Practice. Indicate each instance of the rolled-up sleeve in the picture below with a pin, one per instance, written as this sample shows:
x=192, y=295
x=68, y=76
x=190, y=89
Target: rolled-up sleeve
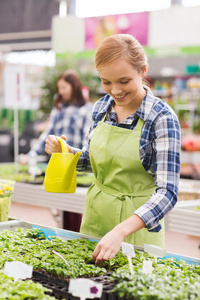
x=166, y=147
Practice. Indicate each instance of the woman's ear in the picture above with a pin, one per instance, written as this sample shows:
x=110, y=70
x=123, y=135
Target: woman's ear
x=144, y=72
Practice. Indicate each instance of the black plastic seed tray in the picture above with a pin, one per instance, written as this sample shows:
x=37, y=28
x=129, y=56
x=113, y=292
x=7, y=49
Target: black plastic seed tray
x=59, y=286
x=51, y=279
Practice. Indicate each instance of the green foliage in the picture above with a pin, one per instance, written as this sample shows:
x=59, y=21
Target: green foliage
x=197, y=208
x=7, y=171
x=22, y=290
x=24, y=115
x=170, y=279
x=30, y=247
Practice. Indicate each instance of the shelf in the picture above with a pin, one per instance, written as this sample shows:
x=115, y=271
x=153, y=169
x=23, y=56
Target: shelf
x=184, y=218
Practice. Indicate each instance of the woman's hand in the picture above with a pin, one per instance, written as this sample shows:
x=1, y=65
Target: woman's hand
x=108, y=246
x=53, y=146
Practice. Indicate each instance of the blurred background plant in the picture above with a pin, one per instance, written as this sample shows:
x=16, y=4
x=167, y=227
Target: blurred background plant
x=6, y=187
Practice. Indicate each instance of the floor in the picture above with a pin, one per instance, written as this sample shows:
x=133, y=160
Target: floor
x=176, y=243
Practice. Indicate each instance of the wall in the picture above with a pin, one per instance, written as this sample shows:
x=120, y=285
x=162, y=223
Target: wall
x=176, y=26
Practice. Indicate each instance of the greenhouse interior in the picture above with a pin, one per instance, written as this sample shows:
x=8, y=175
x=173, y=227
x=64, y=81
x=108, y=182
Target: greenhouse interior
x=100, y=149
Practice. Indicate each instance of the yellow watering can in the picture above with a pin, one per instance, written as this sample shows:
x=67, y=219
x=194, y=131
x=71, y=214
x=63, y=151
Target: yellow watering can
x=60, y=176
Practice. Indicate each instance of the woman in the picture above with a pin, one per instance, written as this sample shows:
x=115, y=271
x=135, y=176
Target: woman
x=134, y=152
x=67, y=117
x=70, y=116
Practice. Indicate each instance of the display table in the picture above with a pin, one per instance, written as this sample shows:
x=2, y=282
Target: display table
x=189, y=189
x=35, y=195
x=13, y=224
x=31, y=194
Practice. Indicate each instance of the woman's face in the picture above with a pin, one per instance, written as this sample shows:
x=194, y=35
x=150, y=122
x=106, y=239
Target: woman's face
x=64, y=89
x=123, y=83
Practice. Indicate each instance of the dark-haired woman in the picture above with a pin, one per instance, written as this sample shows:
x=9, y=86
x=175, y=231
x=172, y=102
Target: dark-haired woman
x=70, y=117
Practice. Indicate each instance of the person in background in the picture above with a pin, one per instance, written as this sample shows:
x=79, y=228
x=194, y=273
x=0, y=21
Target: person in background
x=70, y=116
x=134, y=151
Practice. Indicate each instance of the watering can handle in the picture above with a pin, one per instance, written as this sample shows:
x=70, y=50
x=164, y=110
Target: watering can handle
x=63, y=144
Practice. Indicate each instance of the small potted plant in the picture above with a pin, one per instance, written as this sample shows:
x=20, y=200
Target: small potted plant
x=6, y=192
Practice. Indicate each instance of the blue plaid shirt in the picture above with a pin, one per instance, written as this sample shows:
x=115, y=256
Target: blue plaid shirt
x=159, y=151
x=71, y=121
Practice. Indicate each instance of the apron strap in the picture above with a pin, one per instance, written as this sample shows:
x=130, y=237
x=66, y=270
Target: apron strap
x=104, y=117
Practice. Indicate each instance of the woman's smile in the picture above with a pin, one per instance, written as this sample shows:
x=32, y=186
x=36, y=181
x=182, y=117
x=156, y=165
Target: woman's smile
x=123, y=83
x=121, y=97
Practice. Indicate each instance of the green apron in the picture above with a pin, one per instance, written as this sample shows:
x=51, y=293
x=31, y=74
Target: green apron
x=121, y=183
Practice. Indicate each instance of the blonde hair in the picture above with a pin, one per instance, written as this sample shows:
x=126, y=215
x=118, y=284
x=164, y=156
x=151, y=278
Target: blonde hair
x=121, y=46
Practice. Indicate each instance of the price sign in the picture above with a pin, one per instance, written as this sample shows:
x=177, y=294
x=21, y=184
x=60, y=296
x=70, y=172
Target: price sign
x=147, y=267
x=85, y=288
x=128, y=250
x=14, y=87
x=155, y=251
x=18, y=270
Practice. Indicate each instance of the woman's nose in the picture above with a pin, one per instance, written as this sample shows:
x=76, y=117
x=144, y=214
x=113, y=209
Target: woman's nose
x=116, y=90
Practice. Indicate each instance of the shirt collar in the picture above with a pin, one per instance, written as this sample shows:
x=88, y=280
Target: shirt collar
x=146, y=105
x=107, y=106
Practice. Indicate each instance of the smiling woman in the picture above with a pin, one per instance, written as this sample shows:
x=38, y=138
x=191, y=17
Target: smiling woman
x=133, y=150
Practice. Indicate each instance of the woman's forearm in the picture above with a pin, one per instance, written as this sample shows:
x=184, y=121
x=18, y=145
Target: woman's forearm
x=130, y=225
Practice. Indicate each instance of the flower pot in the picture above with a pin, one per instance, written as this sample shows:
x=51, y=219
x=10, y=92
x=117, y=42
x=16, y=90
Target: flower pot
x=6, y=192
x=4, y=208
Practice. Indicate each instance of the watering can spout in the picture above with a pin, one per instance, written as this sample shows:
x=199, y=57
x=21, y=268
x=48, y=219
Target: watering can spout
x=70, y=174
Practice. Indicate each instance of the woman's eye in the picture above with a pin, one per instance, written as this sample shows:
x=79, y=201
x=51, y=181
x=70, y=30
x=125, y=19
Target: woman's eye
x=125, y=82
x=122, y=82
